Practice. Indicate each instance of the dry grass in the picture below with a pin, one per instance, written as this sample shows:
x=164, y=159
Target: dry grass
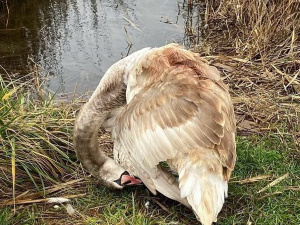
x=256, y=45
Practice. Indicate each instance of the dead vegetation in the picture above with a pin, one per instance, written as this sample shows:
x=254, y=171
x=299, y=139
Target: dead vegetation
x=256, y=45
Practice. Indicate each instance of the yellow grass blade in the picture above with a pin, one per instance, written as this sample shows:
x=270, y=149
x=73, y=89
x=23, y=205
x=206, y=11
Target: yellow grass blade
x=7, y=95
x=13, y=170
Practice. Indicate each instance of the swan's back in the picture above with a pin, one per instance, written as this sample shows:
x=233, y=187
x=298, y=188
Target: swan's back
x=177, y=111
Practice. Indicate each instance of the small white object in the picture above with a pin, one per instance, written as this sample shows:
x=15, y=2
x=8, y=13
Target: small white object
x=147, y=204
x=56, y=207
x=70, y=209
x=57, y=200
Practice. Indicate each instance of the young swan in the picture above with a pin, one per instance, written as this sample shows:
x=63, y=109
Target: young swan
x=163, y=105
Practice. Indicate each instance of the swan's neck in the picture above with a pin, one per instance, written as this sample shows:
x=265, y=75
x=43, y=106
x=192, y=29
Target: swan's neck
x=109, y=95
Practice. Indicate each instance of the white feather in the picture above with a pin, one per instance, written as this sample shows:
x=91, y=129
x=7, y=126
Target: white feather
x=204, y=189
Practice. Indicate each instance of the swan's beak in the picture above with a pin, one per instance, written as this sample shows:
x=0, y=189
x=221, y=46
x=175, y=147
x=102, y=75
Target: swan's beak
x=127, y=180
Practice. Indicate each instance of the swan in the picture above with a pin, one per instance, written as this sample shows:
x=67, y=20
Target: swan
x=168, y=112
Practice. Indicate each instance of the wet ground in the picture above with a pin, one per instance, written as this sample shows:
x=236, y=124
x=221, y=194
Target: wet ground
x=76, y=41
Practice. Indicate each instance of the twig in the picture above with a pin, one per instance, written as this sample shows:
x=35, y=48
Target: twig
x=270, y=194
x=274, y=182
x=129, y=42
x=28, y=201
x=252, y=179
x=29, y=197
x=161, y=206
x=7, y=8
x=132, y=24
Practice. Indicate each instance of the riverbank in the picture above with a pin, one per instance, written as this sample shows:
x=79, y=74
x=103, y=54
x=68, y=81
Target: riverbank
x=256, y=47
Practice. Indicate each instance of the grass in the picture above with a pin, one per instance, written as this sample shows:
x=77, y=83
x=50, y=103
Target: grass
x=278, y=204
x=34, y=139
x=255, y=45
x=258, y=156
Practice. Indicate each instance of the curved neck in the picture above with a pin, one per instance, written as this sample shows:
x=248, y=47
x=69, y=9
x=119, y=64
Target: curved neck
x=110, y=94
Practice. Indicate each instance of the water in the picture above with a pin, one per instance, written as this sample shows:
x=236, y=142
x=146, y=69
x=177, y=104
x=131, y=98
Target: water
x=76, y=41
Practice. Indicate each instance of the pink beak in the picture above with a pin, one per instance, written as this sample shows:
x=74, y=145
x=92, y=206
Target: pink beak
x=128, y=180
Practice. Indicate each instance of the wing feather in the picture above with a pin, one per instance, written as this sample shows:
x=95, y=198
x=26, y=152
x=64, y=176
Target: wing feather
x=164, y=125
x=173, y=112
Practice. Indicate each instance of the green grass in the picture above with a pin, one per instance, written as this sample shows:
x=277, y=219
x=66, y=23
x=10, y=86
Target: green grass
x=256, y=156
x=278, y=204
x=34, y=139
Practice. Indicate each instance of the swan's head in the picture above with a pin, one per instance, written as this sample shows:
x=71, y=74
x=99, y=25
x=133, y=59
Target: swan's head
x=114, y=176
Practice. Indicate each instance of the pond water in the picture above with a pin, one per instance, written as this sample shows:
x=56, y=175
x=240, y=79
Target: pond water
x=76, y=41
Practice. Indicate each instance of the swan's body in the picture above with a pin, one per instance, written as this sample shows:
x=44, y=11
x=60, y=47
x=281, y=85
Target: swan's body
x=163, y=105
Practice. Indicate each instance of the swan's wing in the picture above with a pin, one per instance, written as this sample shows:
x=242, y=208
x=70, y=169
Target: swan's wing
x=179, y=113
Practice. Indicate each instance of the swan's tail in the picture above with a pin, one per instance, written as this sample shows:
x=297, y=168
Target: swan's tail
x=201, y=182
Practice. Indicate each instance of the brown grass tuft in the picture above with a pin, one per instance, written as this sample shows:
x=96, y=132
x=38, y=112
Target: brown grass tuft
x=256, y=45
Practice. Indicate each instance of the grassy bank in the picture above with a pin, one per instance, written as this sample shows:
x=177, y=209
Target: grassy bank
x=264, y=190
x=255, y=45
x=35, y=139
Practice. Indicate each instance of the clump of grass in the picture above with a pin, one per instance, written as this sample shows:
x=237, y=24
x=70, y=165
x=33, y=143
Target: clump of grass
x=257, y=30
x=256, y=46
x=35, y=145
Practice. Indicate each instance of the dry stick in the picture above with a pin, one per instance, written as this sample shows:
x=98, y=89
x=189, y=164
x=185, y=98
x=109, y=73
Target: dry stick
x=274, y=182
x=132, y=24
x=23, y=197
x=270, y=194
x=165, y=208
x=161, y=206
x=128, y=41
x=292, y=188
x=4, y=70
x=7, y=8
x=25, y=201
x=289, y=79
x=251, y=179
x=13, y=172
x=293, y=80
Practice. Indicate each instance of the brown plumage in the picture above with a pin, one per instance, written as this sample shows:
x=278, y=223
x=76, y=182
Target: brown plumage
x=164, y=105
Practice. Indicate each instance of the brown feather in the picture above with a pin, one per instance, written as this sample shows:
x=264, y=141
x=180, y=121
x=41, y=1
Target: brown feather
x=173, y=107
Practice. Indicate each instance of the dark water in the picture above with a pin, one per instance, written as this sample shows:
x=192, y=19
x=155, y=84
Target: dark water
x=76, y=41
